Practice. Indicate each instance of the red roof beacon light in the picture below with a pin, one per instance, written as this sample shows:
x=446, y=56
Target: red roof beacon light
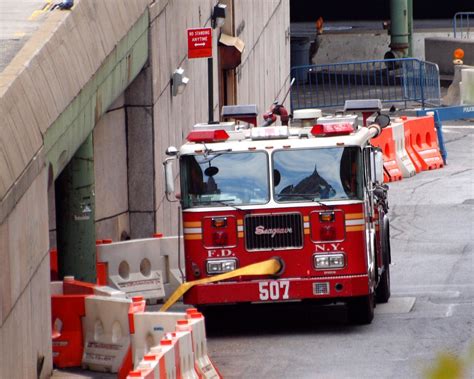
x=207, y=136
x=336, y=129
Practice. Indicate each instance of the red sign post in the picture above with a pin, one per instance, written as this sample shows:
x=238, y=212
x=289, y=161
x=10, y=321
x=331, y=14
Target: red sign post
x=200, y=43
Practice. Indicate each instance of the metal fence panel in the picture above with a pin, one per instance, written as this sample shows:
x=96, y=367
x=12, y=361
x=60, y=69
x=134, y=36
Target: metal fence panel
x=462, y=23
x=390, y=80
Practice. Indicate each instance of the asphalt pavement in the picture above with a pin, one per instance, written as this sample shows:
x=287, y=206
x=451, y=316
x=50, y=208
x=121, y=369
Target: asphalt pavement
x=430, y=311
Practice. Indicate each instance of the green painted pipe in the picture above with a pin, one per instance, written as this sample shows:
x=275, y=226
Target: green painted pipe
x=410, y=27
x=75, y=225
x=399, y=41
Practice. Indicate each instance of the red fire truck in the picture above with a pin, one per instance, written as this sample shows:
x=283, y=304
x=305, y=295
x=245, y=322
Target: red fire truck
x=310, y=196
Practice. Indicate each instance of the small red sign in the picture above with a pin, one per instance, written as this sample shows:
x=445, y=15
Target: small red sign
x=200, y=43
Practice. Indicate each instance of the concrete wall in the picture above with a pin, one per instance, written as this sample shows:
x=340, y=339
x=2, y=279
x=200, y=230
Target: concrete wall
x=261, y=77
x=50, y=98
x=154, y=119
x=110, y=169
x=440, y=51
x=342, y=47
x=173, y=117
x=25, y=333
x=264, y=72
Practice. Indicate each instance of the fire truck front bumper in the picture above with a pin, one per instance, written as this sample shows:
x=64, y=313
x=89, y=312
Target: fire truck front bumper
x=278, y=290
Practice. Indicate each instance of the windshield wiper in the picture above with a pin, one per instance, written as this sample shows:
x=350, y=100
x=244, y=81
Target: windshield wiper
x=309, y=196
x=210, y=154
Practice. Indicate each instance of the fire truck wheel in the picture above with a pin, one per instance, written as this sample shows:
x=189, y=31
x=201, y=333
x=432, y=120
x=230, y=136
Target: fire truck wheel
x=386, y=238
x=383, y=289
x=361, y=310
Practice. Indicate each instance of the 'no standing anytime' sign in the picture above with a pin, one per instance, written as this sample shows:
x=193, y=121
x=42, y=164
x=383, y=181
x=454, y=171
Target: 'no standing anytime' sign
x=200, y=43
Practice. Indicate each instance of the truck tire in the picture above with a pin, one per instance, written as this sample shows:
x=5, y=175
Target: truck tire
x=383, y=289
x=387, y=247
x=361, y=310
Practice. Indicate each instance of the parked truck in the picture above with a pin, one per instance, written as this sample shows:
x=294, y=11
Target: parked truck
x=311, y=197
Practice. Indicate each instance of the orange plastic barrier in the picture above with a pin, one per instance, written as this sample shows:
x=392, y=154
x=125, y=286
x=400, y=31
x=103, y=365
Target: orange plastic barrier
x=138, y=305
x=424, y=142
x=101, y=268
x=67, y=312
x=76, y=287
x=386, y=142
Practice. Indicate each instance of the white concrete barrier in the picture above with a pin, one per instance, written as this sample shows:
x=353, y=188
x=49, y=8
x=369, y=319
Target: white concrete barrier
x=185, y=355
x=467, y=86
x=171, y=345
x=404, y=162
x=109, y=292
x=195, y=324
x=172, y=249
x=107, y=333
x=148, y=368
x=135, y=267
x=150, y=328
x=166, y=352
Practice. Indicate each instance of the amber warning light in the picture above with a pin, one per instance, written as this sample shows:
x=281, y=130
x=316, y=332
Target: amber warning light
x=458, y=54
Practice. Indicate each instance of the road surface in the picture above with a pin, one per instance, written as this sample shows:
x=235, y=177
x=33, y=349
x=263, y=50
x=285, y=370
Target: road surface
x=430, y=312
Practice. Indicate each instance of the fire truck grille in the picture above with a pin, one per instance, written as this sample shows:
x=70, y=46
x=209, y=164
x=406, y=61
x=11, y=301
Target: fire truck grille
x=273, y=232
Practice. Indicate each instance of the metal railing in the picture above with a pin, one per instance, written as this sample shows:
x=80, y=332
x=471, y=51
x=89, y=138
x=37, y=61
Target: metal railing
x=403, y=80
x=462, y=24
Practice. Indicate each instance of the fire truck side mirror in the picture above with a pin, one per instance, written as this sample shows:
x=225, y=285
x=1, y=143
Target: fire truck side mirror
x=382, y=120
x=378, y=166
x=169, y=177
x=171, y=151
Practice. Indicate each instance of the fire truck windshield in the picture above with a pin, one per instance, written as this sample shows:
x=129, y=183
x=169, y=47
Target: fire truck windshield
x=317, y=174
x=229, y=178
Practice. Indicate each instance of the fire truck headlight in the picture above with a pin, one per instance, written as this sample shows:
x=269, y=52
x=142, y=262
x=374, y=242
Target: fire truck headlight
x=329, y=261
x=321, y=261
x=219, y=266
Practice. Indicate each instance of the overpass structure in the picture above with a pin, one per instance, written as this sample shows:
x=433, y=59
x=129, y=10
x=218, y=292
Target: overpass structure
x=52, y=94
x=86, y=113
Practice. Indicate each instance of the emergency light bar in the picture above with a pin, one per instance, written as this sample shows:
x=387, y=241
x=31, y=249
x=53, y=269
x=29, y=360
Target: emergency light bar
x=327, y=130
x=207, y=136
x=269, y=132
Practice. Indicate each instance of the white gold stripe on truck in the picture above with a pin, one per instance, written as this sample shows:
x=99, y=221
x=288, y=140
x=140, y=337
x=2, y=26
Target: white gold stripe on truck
x=306, y=226
x=192, y=230
x=355, y=222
